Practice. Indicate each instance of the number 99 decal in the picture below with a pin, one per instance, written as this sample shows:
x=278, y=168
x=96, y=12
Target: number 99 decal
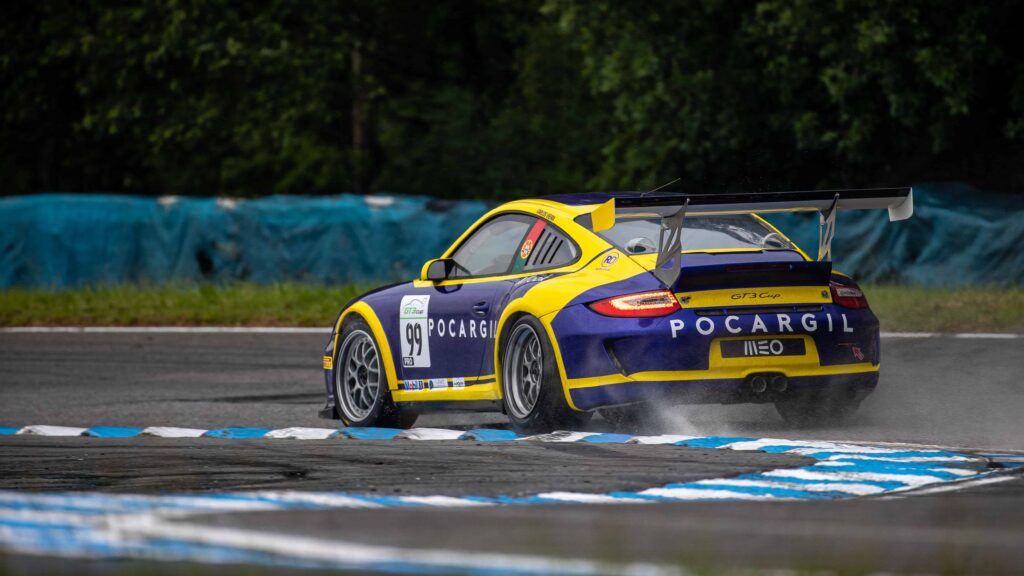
x=413, y=325
x=414, y=337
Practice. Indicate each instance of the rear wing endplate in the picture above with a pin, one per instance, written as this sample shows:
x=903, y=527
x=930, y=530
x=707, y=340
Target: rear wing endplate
x=898, y=201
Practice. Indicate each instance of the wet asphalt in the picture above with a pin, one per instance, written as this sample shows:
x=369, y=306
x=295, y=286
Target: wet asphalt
x=946, y=391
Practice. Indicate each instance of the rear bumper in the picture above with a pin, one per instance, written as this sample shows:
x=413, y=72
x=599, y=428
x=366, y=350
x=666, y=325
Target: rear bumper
x=682, y=357
x=593, y=346
x=857, y=385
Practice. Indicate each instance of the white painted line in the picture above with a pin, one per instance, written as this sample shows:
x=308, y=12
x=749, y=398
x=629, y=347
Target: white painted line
x=52, y=431
x=164, y=330
x=847, y=488
x=796, y=444
x=172, y=432
x=988, y=335
x=316, y=499
x=559, y=436
x=827, y=464
x=705, y=494
x=447, y=501
x=978, y=335
x=48, y=516
x=585, y=498
x=350, y=553
x=914, y=459
x=953, y=486
x=84, y=502
x=806, y=474
x=429, y=434
x=302, y=433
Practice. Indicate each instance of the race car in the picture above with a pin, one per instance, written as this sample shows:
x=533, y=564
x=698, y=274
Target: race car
x=550, y=309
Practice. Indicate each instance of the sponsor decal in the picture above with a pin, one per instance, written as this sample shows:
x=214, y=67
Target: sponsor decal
x=411, y=385
x=532, y=279
x=458, y=383
x=328, y=362
x=763, y=348
x=766, y=347
x=461, y=328
x=414, y=331
x=755, y=296
x=438, y=383
x=545, y=214
x=768, y=324
x=609, y=261
x=858, y=353
x=524, y=253
x=528, y=244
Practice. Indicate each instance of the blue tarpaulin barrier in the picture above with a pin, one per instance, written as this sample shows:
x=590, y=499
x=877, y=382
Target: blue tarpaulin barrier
x=59, y=241
x=958, y=235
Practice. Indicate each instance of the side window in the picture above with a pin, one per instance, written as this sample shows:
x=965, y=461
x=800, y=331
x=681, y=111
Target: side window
x=551, y=249
x=492, y=247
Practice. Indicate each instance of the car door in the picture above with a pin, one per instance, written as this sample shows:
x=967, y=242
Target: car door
x=459, y=314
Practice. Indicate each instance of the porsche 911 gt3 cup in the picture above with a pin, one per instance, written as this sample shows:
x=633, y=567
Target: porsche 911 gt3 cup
x=549, y=309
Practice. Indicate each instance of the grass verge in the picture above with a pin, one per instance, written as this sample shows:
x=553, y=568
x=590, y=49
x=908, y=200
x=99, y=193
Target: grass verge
x=920, y=309
x=230, y=305
x=900, y=308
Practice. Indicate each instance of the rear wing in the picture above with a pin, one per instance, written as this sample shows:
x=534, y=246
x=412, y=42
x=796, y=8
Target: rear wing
x=898, y=201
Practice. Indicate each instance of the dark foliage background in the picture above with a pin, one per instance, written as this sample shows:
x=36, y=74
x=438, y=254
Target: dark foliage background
x=503, y=98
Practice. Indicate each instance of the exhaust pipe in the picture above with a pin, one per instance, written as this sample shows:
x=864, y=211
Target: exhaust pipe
x=758, y=384
x=780, y=383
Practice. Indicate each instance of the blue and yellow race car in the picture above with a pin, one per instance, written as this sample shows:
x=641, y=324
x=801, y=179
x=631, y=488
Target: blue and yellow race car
x=550, y=309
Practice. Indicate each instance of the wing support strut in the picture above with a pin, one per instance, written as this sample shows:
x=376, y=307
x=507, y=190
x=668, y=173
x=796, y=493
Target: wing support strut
x=827, y=231
x=670, y=244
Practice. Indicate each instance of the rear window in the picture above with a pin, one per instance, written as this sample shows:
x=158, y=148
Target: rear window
x=636, y=232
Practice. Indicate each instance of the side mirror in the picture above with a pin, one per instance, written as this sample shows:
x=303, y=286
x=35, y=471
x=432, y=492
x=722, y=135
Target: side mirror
x=440, y=269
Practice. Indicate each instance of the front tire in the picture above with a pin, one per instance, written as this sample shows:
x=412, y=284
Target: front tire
x=361, y=393
x=532, y=392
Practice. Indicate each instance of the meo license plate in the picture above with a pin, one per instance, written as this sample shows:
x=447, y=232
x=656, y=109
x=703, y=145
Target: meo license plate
x=763, y=347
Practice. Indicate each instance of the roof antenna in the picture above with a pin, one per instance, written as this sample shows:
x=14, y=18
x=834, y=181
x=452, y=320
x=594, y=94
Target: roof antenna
x=662, y=186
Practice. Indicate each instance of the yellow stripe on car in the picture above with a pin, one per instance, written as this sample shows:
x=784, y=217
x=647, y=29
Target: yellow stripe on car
x=732, y=297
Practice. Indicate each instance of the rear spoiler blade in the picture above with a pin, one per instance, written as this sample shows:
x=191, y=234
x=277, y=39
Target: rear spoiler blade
x=898, y=201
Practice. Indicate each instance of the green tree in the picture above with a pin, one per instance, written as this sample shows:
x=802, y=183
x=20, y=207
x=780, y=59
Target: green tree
x=778, y=93
x=502, y=98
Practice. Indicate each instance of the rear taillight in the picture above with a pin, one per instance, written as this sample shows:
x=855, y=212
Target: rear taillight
x=641, y=305
x=847, y=295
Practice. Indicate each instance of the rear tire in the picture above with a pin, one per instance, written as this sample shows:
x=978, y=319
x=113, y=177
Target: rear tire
x=362, y=395
x=532, y=392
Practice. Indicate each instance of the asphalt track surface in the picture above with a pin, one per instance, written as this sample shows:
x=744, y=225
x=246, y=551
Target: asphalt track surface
x=950, y=392
x=946, y=391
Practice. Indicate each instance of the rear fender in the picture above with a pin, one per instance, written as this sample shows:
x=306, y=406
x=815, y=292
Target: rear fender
x=545, y=299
